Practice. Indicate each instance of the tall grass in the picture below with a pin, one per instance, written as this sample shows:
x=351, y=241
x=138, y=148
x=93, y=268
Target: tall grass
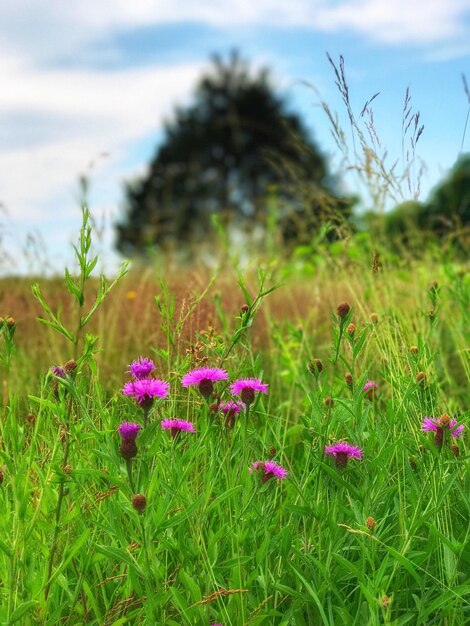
x=382, y=541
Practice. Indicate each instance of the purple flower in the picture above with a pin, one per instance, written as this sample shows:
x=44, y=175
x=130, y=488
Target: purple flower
x=204, y=377
x=128, y=432
x=269, y=469
x=58, y=371
x=230, y=411
x=342, y=452
x=144, y=390
x=439, y=425
x=246, y=388
x=141, y=368
x=176, y=426
x=369, y=389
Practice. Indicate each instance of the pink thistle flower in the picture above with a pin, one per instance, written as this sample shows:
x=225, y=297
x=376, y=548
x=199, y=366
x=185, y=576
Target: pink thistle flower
x=176, y=426
x=369, y=389
x=141, y=368
x=269, y=469
x=128, y=432
x=342, y=452
x=204, y=377
x=144, y=390
x=230, y=411
x=247, y=387
x=58, y=371
x=439, y=425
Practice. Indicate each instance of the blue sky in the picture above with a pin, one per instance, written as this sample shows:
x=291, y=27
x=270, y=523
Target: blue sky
x=86, y=87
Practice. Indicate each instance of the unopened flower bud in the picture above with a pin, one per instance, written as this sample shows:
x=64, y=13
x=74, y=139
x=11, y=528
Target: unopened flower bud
x=272, y=451
x=244, y=308
x=374, y=318
x=421, y=378
x=329, y=402
x=351, y=329
x=343, y=309
x=455, y=450
x=385, y=601
x=70, y=366
x=139, y=502
x=31, y=419
x=316, y=366
x=414, y=349
x=432, y=313
x=370, y=523
x=349, y=379
x=10, y=322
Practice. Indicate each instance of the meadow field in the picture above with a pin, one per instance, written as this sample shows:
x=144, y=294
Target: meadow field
x=282, y=441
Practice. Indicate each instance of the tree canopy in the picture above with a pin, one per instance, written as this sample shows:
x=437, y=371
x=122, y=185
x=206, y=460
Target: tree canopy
x=223, y=154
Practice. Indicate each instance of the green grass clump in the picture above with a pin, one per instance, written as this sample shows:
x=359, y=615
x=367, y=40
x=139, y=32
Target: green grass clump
x=383, y=540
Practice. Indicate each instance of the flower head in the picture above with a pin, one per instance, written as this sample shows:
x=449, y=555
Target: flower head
x=141, y=368
x=144, y=390
x=204, y=377
x=269, y=469
x=128, y=432
x=176, y=426
x=342, y=452
x=230, y=411
x=58, y=371
x=369, y=389
x=247, y=387
x=439, y=425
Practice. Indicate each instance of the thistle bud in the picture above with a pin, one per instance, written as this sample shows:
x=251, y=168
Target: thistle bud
x=444, y=419
x=421, y=378
x=70, y=366
x=455, y=450
x=139, y=502
x=385, y=601
x=343, y=309
x=316, y=367
x=329, y=402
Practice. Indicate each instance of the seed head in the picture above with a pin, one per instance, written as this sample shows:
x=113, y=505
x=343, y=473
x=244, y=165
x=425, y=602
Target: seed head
x=329, y=402
x=31, y=419
x=385, y=601
x=370, y=523
x=412, y=463
x=343, y=309
x=374, y=318
x=351, y=329
x=68, y=469
x=139, y=502
x=414, y=349
x=432, y=313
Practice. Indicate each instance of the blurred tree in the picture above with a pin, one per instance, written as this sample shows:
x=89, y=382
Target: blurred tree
x=446, y=210
x=224, y=154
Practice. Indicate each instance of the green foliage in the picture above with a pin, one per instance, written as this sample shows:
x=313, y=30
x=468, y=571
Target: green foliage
x=223, y=155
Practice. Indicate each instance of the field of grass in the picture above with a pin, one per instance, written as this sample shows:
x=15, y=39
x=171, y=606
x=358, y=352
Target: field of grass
x=381, y=539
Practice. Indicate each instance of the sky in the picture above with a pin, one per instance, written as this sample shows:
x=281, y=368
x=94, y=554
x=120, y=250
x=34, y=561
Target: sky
x=86, y=87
